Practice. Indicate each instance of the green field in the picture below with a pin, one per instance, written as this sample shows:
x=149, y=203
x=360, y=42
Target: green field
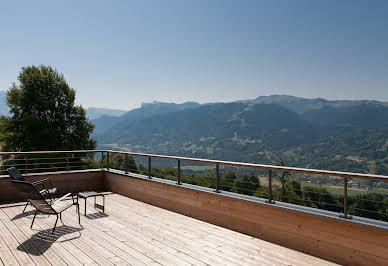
x=198, y=167
x=336, y=190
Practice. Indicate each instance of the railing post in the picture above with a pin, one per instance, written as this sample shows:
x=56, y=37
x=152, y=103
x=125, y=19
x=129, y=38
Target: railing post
x=149, y=167
x=126, y=163
x=270, y=197
x=102, y=160
x=346, y=216
x=107, y=160
x=67, y=164
x=218, y=178
x=26, y=166
x=179, y=172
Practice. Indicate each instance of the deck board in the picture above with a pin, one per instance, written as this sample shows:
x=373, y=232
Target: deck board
x=132, y=233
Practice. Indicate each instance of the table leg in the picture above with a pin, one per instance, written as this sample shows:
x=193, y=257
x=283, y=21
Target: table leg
x=85, y=206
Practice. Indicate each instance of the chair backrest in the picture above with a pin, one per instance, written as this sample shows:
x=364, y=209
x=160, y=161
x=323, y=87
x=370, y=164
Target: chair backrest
x=33, y=196
x=15, y=174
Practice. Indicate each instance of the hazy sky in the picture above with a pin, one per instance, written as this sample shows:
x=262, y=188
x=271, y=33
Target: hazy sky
x=121, y=53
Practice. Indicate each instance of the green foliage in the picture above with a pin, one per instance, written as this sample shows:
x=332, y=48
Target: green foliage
x=246, y=185
x=4, y=131
x=320, y=198
x=121, y=162
x=43, y=114
x=374, y=206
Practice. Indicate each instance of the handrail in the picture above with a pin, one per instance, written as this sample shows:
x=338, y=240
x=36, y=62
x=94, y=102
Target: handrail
x=231, y=163
x=262, y=166
x=50, y=152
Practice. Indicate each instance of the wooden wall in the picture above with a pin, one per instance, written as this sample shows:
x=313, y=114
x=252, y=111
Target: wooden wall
x=335, y=241
x=66, y=182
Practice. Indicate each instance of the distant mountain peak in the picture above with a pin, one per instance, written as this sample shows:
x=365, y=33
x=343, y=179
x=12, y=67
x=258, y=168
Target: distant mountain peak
x=144, y=104
x=96, y=112
x=302, y=105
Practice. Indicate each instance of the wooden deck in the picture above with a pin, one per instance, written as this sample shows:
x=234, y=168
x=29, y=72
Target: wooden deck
x=135, y=233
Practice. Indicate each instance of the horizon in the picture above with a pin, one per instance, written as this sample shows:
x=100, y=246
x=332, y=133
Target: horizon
x=236, y=100
x=121, y=54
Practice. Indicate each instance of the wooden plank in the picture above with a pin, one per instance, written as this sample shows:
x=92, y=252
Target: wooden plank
x=87, y=253
x=235, y=246
x=247, y=245
x=206, y=245
x=178, y=227
x=121, y=250
x=123, y=233
x=19, y=253
x=108, y=227
x=56, y=245
x=182, y=248
x=174, y=244
x=201, y=246
x=42, y=246
x=47, y=223
x=115, y=236
x=118, y=261
x=6, y=256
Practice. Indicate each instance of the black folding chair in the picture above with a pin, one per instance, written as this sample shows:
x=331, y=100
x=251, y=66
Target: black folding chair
x=36, y=199
x=49, y=192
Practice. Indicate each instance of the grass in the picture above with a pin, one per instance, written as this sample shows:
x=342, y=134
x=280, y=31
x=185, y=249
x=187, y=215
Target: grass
x=199, y=167
x=339, y=191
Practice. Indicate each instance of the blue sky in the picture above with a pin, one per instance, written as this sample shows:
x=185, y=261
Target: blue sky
x=119, y=54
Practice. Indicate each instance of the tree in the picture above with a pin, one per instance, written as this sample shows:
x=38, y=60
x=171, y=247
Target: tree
x=4, y=134
x=284, y=179
x=43, y=113
x=246, y=185
x=118, y=161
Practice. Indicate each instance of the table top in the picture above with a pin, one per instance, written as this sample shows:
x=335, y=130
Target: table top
x=87, y=194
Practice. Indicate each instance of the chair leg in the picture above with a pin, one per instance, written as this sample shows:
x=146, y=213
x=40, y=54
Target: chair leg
x=60, y=216
x=79, y=217
x=25, y=207
x=33, y=219
x=55, y=225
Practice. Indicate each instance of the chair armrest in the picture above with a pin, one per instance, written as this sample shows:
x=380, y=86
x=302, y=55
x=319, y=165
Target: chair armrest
x=63, y=197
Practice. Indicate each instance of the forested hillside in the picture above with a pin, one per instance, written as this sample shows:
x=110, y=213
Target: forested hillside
x=316, y=133
x=115, y=125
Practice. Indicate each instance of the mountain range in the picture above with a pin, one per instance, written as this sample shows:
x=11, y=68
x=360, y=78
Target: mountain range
x=340, y=135
x=316, y=133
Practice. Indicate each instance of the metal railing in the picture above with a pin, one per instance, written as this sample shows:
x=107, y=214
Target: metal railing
x=46, y=161
x=41, y=161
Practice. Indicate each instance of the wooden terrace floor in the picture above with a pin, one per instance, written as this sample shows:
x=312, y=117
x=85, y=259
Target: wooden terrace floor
x=135, y=233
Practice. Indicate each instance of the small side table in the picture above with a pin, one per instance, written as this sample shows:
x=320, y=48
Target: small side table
x=86, y=194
